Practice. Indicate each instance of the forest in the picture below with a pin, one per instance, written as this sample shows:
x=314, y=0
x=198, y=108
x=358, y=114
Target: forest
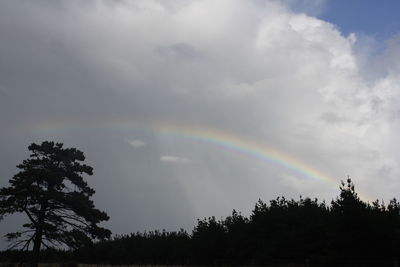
x=348, y=231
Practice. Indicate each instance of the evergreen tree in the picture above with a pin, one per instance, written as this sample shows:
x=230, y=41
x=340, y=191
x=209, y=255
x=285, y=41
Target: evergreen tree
x=49, y=189
x=351, y=223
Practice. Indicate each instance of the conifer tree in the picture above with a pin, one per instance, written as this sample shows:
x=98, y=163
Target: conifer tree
x=50, y=190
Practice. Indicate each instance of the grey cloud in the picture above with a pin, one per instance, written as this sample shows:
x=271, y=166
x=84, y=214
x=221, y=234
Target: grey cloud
x=333, y=118
x=4, y=91
x=97, y=74
x=179, y=51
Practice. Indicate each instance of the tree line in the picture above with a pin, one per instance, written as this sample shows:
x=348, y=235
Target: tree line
x=282, y=230
x=348, y=230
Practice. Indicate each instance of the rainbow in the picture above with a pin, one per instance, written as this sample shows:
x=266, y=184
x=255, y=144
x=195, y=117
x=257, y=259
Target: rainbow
x=214, y=136
x=243, y=146
x=204, y=134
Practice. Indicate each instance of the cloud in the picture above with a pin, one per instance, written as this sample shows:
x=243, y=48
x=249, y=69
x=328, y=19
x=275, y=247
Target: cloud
x=4, y=91
x=136, y=143
x=174, y=159
x=89, y=74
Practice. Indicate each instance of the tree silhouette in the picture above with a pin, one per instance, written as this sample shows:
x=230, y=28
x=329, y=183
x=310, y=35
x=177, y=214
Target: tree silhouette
x=51, y=192
x=209, y=236
x=355, y=224
x=280, y=232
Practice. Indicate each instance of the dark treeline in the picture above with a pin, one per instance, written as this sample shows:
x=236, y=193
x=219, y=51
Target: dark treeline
x=347, y=231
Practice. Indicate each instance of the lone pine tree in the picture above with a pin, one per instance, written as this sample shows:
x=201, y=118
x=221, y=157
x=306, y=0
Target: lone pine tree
x=50, y=190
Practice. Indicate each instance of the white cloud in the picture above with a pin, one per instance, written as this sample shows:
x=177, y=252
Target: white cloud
x=257, y=70
x=175, y=159
x=136, y=143
x=261, y=70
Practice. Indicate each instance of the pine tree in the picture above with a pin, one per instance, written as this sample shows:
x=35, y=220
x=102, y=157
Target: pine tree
x=49, y=189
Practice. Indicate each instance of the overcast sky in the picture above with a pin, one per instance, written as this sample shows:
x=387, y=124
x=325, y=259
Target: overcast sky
x=188, y=109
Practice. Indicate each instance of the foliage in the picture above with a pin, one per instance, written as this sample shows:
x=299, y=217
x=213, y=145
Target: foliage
x=282, y=231
x=50, y=190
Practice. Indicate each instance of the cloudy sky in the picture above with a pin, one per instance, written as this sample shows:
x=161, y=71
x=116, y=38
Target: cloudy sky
x=188, y=109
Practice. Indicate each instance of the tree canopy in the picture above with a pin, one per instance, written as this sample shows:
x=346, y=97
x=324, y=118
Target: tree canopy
x=346, y=232
x=50, y=190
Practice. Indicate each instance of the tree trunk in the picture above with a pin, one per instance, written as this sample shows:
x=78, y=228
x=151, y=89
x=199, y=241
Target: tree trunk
x=36, y=248
x=38, y=237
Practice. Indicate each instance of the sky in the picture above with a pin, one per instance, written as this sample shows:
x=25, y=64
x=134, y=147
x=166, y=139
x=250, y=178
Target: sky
x=188, y=109
x=379, y=19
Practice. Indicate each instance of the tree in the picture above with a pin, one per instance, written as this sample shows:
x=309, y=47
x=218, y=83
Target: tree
x=50, y=190
x=209, y=238
x=351, y=223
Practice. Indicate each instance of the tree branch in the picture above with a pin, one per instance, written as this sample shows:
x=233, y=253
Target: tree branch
x=17, y=243
x=27, y=243
x=29, y=215
x=72, y=217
